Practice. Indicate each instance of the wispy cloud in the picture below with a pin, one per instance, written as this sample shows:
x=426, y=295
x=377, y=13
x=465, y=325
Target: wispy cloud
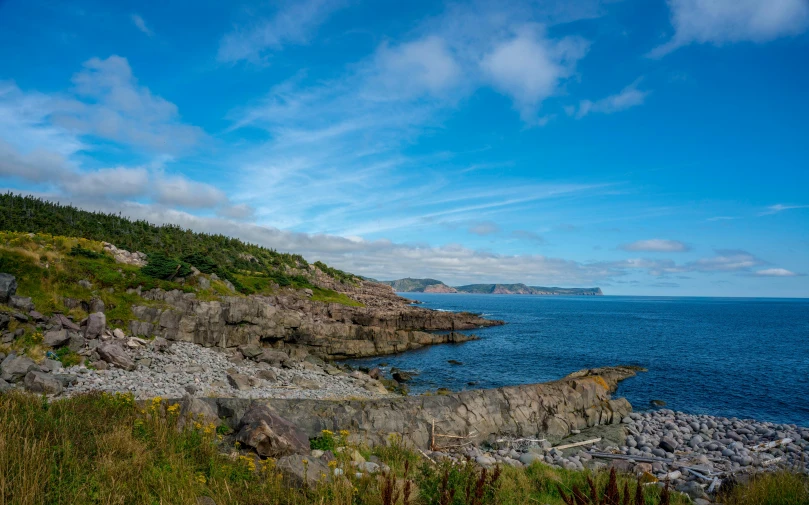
x=140, y=24
x=294, y=22
x=725, y=260
x=629, y=97
x=775, y=272
x=725, y=21
x=656, y=245
x=775, y=209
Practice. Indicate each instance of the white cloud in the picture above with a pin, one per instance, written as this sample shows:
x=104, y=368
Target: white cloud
x=293, y=23
x=656, y=245
x=724, y=21
x=529, y=67
x=484, y=228
x=775, y=209
x=179, y=191
x=108, y=183
x=112, y=105
x=240, y=212
x=629, y=97
x=422, y=66
x=775, y=272
x=140, y=24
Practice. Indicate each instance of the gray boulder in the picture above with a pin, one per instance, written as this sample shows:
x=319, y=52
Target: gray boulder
x=50, y=365
x=23, y=303
x=271, y=435
x=8, y=287
x=197, y=409
x=4, y=386
x=274, y=358
x=41, y=382
x=56, y=338
x=4, y=320
x=668, y=444
x=299, y=474
x=267, y=375
x=160, y=344
x=115, y=355
x=97, y=305
x=14, y=368
x=76, y=342
x=96, y=324
x=239, y=381
x=251, y=350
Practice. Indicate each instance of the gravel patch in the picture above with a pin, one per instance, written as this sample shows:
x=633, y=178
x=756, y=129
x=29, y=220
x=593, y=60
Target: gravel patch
x=186, y=367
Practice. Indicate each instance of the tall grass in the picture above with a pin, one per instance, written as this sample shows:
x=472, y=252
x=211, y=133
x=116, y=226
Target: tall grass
x=104, y=449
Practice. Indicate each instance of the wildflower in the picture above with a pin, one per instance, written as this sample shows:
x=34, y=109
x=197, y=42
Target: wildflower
x=201, y=478
x=333, y=464
x=173, y=408
x=344, y=433
x=327, y=433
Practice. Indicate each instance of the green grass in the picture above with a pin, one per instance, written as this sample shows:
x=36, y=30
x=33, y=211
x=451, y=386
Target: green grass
x=330, y=296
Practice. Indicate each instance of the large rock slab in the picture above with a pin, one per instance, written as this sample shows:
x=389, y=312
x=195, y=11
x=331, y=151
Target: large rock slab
x=270, y=434
x=115, y=355
x=550, y=410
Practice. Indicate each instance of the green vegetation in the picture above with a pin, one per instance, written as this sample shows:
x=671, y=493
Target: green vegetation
x=102, y=448
x=329, y=296
x=167, y=245
x=48, y=269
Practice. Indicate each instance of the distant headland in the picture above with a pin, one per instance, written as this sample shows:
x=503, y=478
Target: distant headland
x=409, y=285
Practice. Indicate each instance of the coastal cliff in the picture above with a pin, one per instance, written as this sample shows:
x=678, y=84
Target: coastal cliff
x=409, y=285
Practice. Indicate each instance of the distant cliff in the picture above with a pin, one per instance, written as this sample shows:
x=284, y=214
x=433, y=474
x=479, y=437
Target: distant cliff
x=409, y=285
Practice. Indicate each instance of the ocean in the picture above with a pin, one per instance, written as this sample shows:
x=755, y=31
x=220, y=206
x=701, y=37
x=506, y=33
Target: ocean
x=731, y=357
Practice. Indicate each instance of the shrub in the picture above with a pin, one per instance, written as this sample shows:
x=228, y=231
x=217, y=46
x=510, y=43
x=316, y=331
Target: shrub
x=162, y=267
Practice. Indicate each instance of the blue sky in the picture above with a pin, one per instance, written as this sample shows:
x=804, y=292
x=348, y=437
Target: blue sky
x=645, y=146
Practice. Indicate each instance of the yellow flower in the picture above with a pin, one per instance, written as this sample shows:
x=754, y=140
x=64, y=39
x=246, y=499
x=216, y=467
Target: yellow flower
x=333, y=464
x=173, y=408
x=327, y=433
x=201, y=478
x=344, y=433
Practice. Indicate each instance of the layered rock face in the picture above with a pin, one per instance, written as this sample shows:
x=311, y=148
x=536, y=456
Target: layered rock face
x=387, y=324
x=550, y=410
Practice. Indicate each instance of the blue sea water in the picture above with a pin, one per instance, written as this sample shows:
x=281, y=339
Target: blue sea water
x=732, y=357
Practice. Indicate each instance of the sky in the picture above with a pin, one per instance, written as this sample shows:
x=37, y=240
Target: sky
x=649, y=147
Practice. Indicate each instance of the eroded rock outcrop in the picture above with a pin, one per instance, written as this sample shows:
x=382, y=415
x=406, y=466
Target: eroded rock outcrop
x=551, y=410
x=387, y=324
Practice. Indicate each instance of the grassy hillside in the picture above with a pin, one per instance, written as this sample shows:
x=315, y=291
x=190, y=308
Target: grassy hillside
x=50, y=270
x=249, y=267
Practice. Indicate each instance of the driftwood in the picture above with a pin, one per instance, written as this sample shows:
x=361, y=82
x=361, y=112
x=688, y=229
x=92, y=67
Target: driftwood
x=578, y=444
x=642, y=459
x=771, y=445
x=771, y=461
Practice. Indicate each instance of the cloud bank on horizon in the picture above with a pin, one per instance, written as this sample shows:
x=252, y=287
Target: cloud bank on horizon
x=645, y=147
